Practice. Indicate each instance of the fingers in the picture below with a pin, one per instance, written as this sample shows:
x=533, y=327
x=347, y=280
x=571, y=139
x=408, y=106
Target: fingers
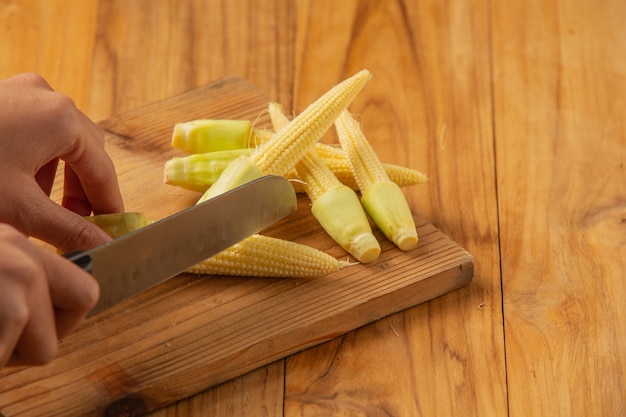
x=73, y=292
x=24, y=300
x=43, y=297
x=90, y=173
x=45, y=176
x=74, y=197
x=65, y=230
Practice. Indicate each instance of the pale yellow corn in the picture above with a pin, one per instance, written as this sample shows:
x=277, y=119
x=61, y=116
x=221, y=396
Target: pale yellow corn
x=255, y=256
x=281, y=153
x=198, y=171
x=382, y=198
x=118, y=224
x=335, y=206
x=329, y=151
x=209, y=135
x=403, y=176
x=265, y=256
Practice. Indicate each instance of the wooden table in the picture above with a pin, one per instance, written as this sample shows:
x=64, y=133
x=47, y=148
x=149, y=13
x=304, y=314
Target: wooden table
x=516, y=111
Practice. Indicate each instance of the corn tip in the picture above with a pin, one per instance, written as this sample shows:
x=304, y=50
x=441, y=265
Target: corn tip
x=406, y=239
x=365, y=248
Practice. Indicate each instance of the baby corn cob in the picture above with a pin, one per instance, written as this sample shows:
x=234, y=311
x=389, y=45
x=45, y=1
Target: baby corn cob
x=198, y=171
x=255, y=256
x=209, y=135
x=265, y=256
x=335, y=206
x=383, y=199
x=402, y=176
x=328, y=151
x=280, y=154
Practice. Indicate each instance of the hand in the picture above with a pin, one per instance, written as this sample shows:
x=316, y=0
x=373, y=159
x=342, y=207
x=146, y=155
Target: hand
x=39, y=127
x=43, y=297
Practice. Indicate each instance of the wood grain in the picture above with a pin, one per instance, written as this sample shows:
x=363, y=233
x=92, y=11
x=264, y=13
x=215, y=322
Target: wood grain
x=34, y=36
x=259, y=394
x=144, y=54
x=194, y=332
x=559, y=113
x=428, y=105
x=515, y=111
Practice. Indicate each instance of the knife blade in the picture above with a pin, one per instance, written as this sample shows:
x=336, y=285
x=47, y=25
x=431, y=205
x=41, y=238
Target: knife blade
x=146, y=257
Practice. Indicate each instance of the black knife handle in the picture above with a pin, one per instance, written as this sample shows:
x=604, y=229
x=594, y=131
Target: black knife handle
x=81, y=259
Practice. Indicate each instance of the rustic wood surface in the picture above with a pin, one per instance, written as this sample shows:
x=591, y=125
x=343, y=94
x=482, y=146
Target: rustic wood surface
x=194, y=332
x=515, y=109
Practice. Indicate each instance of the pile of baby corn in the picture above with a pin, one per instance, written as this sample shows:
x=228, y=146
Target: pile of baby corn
x=224, y=154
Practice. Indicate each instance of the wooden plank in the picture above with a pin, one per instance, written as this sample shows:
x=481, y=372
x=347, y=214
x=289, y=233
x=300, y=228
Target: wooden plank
x=258, y=393
x=559, y=117
x=427, y=106
x=194, y=332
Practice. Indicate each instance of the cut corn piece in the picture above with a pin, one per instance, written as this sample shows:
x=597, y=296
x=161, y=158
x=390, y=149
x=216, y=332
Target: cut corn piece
x=239, y=172
x=281, y=153
x=382, y=199
x=198, y=171
x=265, y=256
x=209, y=135
x=335, y=206
x=118, y=224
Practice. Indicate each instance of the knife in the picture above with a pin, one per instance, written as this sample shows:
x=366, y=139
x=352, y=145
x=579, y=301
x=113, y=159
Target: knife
x=146, y=257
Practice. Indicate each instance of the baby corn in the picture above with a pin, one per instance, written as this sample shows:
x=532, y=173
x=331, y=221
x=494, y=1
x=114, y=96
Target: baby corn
x=382, y=199
x=401, y=175
x=198, y=171
x=281, y=153
x=335, y=206
x=255, y=256
x=265, y=256
x=209, y=135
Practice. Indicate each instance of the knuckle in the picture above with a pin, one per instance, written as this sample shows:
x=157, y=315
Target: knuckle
x=89, y=297
x=62, y=108
x=31, y=79
x=16, y=264
x=80, y=235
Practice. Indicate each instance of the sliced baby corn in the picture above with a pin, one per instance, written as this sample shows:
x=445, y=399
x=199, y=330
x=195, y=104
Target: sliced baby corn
x=198, y=171
x=382, y=198
x=265, y=256
x=335, y=206
x=282, y=152
x=209, y=135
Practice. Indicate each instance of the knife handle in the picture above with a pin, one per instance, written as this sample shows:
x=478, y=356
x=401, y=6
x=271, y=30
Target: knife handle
x=82, y=259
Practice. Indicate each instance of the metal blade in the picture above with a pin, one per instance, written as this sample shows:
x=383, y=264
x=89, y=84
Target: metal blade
x=139, y=260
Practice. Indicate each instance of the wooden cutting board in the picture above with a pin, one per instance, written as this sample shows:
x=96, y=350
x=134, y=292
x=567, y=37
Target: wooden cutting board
x=194, y=332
